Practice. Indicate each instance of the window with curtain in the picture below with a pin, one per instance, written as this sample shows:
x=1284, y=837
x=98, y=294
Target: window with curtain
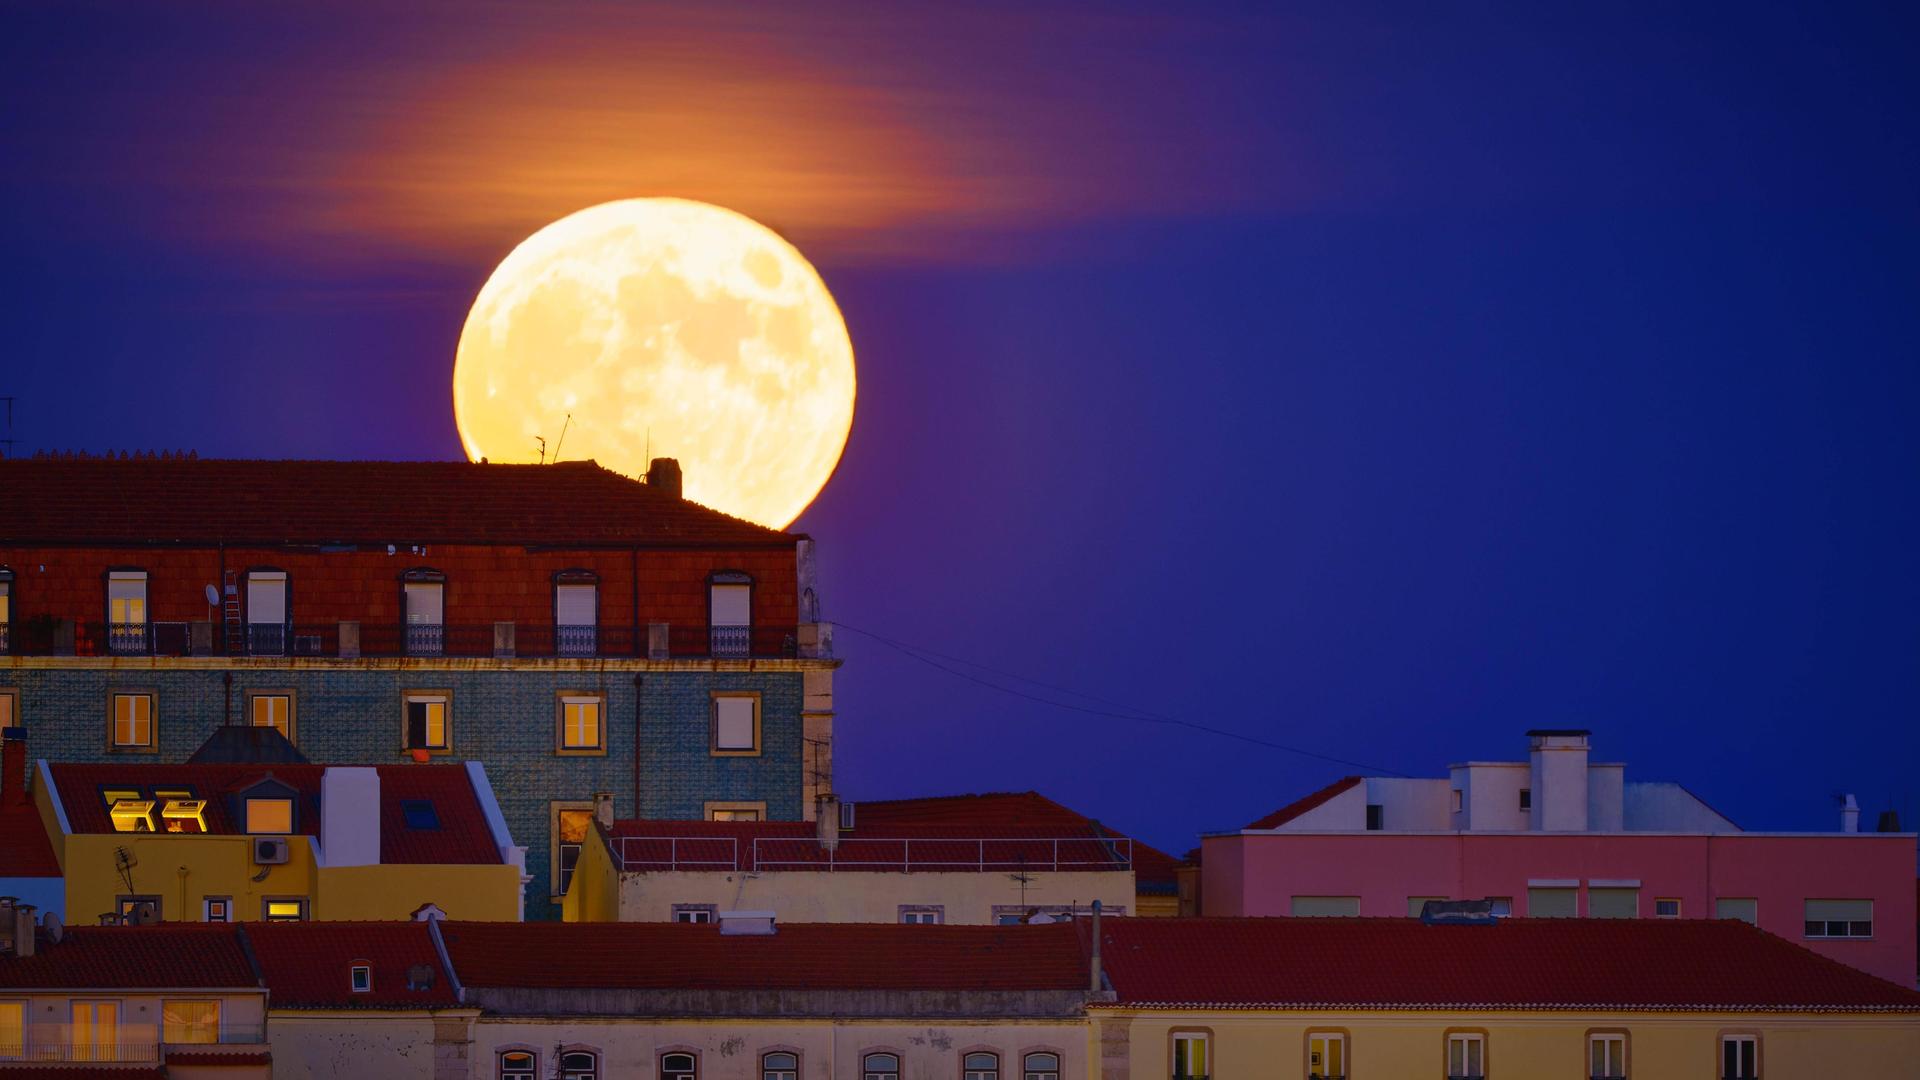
x=424, y=594
x=127, y=611
x=133, y=720
x=266, y=612
x=13, y=1028
x=273, y=816
x=96, y=1031
x=980, y=1065
x=1190, y=1057
x=576, y=615
x=730, y=614
x=190, y=1021
x=736, y=723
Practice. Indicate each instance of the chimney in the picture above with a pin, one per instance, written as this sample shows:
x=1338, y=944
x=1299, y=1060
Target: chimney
x=1095, y=981
x=1559, y=779
x=13, y=766
x=746, y=923
x=24, y=930
x=1849, y=813
x=1889, y=821
x=350, y=815
x=664, y=473
x=603, y=808
x=826, y=820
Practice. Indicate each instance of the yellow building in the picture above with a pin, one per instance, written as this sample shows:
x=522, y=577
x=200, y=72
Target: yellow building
x=1294, y=999
x=278, y=842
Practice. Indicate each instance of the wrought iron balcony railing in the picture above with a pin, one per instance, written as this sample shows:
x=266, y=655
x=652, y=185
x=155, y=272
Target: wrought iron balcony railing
x=43, y=636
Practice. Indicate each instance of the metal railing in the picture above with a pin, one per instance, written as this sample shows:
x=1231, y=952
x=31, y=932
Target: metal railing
x=425, y=639
x=869, y=854
x=266, y=639
x=69, y=1043
x=679, y=853
x=127, y=639
x=49, y=637
x=574, y=640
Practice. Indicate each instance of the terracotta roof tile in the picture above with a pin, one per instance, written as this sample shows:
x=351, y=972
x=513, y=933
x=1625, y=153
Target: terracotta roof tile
x=1626, y=964
x=142, y=501
x=179, y=955
x=212, y=1058
x=1151, y=867
x=799, y=956
x=308, y=965
x=1302, y=805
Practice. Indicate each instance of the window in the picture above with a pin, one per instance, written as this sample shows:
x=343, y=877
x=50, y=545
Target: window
x=360, y=978
x=1326, y=905
x=980, y=1065
x=1417, y=905
x=679, y=1066
x=880, y=1067
x=217, y=909
x=1459, y=800
x=736, y=811
x=576, y=613
x=6, y=618
x=270, y=816
x=572, y=823
x=518, y=1065
x=426, y=720
x=579, y=1065
x=1739, y=1057
x=1466, y=1057
x=267, y=613
x=1744, y=908
x=419, y=814
x=1502, y=906
x=96, y=1031
x=1376, y=817
x=190, y=1021
x=423, y=596
x=923, y=914
x=132, y=719
x=9, y=698
x=284, y=909
x=1607, y=1056
x=1613, y=902
x=730, y=614
x=1839, y=918
x=1041, y=1066
x=131, y=908
x=1553, y=903
x=1190, y=1057
x=779, y=1065
x=13, y=1029
x=131, y=815
x=127, y=611
x=1326, y=1055
x=736, y=723
x=1526, y=798
x=274, y=710
x=1666, y=907
x=580, y=727
x=694, y=913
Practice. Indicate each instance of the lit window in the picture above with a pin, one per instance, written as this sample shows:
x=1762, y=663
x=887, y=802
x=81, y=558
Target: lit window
x=1740, y=1057
x=190, y=1021
x=360, y=978
x=980, y=1066
x=880, y=1067
x=677, y=1066
x=779, y=1065
x=426, y=721
x=1553, y=903
x=1042, y=1066
x=580, y=723
x=736, y=723
x=9, y=698
x=518, y=1065
x=1466, y=1057
x=1326, y=906
x=1744, y=908
x=267, y=613
x=922, y=914
x=217, y=909
x=1613, y=903
x=132, y=815
x=270, y=816
x=571, y=825
x=1839, y=918
x=133, y=909
x=1666, y=907
x=96, y=1031
x=735, y=811
x=13, y=1030
x=576, y=611
x=184, y=815
x=579, y=1065
x=127, y=611
x=1326, y=1056
x=272, y=710
x=419, y=814
x=6, y=622
x=694, y=913
x=291, y=910
x=1190, y=1057
x=1608, y=1057
x=133, y=720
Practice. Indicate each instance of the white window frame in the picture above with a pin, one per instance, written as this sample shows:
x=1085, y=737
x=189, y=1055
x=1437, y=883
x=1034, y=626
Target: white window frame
x=715, y=747
x=569, y=704
x=970, y=1071
x=1679, y=907
x=151, y=720
x=443, y=698
x=923, y=914
x=1848, y=925
x=1176, y=1064
x=285, y=726
x=226, y=909
x=1613, y=1049
x=219, y=1020
x=696, y=914
x=1327, y=1039
x=360, y=978
x=1472, y=1045
x=1739, y=1039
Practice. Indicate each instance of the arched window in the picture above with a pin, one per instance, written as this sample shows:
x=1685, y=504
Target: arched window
x=423, y=595
x=579, y=1065
x=517, y=1065
x=980, y=1065
x=779, y=1065
x=880, y=1067
x=1042, y=1066
x=678, y=1066
x=576, y=613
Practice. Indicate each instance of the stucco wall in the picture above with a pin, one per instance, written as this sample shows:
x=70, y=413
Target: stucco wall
x=321, y=1046
x=967, y=898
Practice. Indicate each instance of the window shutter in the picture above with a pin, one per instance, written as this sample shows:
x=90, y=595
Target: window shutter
x=416, y=723
x=574, y=605
x=1326, y=905
x=267, y=598
x=1839, y=910
x=732, y=605
x=733, y=723
x=1552, y=903
x=1613, y=903
x=1744, y=908
x=423, y=602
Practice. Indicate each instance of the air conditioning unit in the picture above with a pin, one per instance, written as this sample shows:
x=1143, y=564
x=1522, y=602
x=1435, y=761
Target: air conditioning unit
x=269, y=850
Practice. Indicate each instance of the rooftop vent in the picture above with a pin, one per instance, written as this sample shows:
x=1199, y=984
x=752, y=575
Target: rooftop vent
x=746, y=923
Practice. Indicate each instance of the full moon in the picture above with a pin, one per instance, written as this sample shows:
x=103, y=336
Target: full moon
x=664, y=327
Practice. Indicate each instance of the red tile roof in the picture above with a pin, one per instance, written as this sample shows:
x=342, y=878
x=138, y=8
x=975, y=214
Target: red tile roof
x=25, y=849
x=97, y=501
x=103, y=1071
x=799, y=956
x=463, y=835
x=1151, y=866
x=206, y=1058
x=1300, y=806
x=309, y=965
x=1624, y=964
x=170, y=955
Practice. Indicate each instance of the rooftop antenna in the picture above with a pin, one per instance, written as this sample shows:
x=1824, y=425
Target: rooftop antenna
x=563, y=439
x=543, y=448
x=6, y=444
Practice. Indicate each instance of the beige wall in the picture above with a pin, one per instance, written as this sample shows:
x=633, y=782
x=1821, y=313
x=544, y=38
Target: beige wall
x=1389, y=1046
x=851, y=896
x=314, y=1045
x=49, y=1021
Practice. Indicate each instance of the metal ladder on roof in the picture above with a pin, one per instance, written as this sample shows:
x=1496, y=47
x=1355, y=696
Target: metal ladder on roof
x=231, y=603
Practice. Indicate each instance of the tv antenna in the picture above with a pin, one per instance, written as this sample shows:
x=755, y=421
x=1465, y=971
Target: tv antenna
x=563, y=439
x=543, y=448
x=6, y=444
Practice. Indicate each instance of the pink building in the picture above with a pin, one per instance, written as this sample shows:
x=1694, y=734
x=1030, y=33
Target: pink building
x=1559, y=835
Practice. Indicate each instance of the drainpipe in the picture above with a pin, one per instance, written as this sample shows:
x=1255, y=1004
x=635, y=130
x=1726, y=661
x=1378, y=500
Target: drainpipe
x=1094, y=978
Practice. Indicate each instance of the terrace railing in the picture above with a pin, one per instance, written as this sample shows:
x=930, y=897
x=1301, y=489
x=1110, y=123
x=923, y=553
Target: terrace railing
x=871, y=854
x=677, y=641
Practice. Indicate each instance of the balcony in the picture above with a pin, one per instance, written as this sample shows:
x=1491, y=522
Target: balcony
x=127, y=639
x=874, y=854
x=425, y=639
x=266, y=639
x=576, y=640
x=62, y=1044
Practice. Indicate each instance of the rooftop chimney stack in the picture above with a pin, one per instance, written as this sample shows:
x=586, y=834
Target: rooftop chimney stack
x=1096, y=981
x=1559, y=779
x=826, y=820
x=664, y=473
x=350, y=815
x=1889, y=821
x=603, y=808
x=13, y=766
x=1849, y=813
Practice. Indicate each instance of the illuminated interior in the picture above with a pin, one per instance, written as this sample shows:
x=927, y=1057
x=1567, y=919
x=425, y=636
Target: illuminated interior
x=132, y=815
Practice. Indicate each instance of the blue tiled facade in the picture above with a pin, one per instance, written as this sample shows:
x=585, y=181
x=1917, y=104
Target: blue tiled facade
x=658, y=762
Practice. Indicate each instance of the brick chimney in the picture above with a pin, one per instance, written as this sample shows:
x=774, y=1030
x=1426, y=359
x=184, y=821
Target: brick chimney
x=664, y=473
x=13, y=766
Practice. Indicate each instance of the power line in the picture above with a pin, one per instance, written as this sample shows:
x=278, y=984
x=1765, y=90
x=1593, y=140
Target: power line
x=925, y=656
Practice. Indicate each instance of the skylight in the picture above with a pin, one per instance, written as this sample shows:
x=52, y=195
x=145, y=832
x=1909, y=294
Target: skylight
x=419, y=814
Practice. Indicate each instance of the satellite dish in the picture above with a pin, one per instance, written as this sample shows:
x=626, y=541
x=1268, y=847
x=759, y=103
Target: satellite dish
x=50, y=922
x=213, y=596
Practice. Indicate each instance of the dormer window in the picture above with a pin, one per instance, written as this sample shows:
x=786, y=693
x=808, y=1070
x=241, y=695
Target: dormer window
x=423, y=605
x=269, y=815
x=267, y=613
x=576, y=613
x=360, y=978
x=730, y=614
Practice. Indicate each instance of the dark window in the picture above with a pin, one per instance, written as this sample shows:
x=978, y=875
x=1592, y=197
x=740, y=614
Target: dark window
x=880, y=1067
x=1042, y=1067
x=1526, y=798
x=779, y=1065
x=693, y=913
x=1376, y=817
x=679, y=1066
x=579, y=1065
x=980, y=1066
x=1740, y=1057
x=419, y=814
